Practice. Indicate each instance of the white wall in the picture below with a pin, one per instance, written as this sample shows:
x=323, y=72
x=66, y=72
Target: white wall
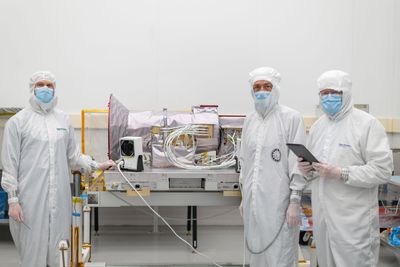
x=176, y=53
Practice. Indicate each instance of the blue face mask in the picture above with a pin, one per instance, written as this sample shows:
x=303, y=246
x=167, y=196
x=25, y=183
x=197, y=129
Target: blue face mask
x=331, y=104
x=44, y=94
x=261, y=95
x=261, y=101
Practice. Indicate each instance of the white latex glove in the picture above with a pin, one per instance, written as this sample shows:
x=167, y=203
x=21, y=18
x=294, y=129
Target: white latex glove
x=15, y=212
x=327, y=171
x=292, y=214
x=107, y=165
x=304, y=167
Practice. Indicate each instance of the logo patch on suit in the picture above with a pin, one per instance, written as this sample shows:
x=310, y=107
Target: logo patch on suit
x=276, y=155
x=345, y=145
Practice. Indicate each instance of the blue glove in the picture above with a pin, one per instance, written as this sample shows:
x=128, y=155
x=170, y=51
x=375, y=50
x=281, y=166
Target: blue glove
x=394, y=238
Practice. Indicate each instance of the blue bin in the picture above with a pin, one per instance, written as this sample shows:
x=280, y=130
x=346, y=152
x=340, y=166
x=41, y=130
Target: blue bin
x=3, y=201
x=3, y=205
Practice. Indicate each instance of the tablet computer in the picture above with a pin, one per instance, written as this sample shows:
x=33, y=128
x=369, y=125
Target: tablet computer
x=302, y=152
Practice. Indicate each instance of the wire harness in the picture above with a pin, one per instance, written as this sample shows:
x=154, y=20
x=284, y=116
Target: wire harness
x=195, y=131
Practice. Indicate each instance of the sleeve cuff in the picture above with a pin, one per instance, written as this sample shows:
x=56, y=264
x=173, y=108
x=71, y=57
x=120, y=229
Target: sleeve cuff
x=344, y=175
x=295, y=196
x=94, y=165
x=88, y=165
x=13, y=200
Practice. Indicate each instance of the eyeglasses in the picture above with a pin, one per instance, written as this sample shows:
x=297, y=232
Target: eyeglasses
x=330, y=92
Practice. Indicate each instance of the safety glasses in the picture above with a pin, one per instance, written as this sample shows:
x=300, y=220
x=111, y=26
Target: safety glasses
x=326, y=92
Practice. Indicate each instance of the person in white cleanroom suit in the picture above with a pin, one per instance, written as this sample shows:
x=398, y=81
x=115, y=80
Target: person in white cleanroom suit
x=38, y=153
x=271, y=193
x=354, y=155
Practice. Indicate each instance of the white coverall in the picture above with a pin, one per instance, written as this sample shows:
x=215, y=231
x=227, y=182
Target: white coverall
x=267, y=183
x=38, y=152
x=345, y=214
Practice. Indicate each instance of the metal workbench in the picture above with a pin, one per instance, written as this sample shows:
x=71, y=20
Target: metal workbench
x=170, y=187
